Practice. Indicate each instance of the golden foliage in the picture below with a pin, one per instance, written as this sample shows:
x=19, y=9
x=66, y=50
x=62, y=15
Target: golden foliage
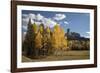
x=38, y=40
x=35, y=28
x=58, y=39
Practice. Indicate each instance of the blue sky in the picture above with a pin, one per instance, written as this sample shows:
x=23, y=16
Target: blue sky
x=77, y=22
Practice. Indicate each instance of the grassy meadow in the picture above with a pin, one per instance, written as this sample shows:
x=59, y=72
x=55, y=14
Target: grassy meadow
x=67, y=55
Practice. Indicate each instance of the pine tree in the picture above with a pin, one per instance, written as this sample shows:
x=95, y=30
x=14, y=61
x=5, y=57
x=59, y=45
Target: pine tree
x=28, y=43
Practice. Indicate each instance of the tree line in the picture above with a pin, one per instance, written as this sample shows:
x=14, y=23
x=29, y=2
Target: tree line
x=40, y=40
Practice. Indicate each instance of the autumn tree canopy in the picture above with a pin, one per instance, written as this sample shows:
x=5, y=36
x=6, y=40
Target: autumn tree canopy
x=43, y=39
x=58, y=39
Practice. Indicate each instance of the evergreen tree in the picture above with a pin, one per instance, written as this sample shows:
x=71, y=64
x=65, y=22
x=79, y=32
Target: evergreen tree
x=28, y=44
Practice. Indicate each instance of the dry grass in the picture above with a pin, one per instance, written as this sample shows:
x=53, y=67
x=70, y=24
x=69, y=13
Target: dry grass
x=67, y=55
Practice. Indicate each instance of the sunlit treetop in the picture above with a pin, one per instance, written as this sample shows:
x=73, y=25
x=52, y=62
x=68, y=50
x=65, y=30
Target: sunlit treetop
x=48, y=30
x=41, y=29
x=35, y=28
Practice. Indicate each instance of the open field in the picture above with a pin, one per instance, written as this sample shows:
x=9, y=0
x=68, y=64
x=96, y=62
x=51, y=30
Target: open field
x=66, y=55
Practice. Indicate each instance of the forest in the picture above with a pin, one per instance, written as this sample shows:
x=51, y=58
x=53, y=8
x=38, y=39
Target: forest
x=41, y=41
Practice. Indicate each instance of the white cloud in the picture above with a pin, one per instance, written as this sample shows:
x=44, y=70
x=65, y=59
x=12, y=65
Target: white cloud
x=37, y=22
x=24, y=15
x=49, y=22
x=87, y=36
x=24, y=28
x=88, y=33
x=59, y=17
x=25, y=21
x=39, y=17
x=32, y=16
x=66, y=22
